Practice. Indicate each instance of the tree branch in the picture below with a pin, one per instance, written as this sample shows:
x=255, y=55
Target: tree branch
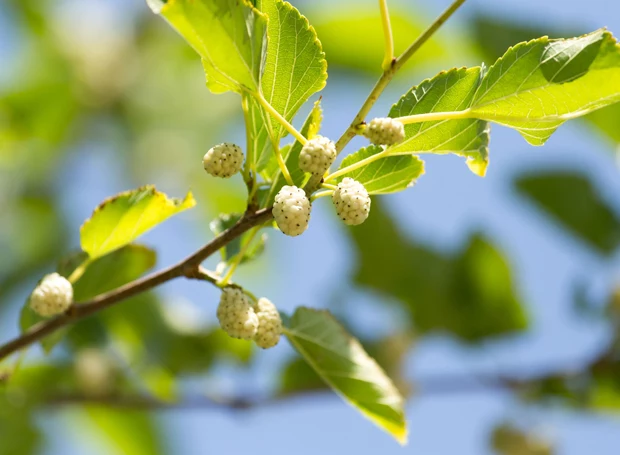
x=389, y=73
x=425, y=386
x=188, y=268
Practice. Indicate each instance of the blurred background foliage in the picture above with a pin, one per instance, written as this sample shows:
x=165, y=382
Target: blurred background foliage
x=100, y=96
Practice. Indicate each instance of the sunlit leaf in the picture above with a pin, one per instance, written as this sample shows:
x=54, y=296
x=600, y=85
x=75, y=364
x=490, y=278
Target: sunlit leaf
x=121, y=219
x=451, y=90
x=343, y=364
x=227, y=34
x=538, y=85
x=384, y=175
x=294, y=69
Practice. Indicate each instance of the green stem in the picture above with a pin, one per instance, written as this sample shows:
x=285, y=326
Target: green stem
x=282, y=164
x=79, y=271
x=352, y=167
x=287, y=126
x=388, y=74
x=248, y=176
x=327, y=185
x=231, y=270
x=274, y=141
x=321, y=194
x=387, y=35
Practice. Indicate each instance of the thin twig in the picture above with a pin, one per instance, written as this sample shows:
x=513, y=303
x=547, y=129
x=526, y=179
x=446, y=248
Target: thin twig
x=388, y=39
x=186, y=268
x=389, y=73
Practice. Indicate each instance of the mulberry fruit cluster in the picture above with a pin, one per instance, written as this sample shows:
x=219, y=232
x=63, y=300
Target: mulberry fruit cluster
x=236, y=315
x=291, y=210
x=269, y=324
x=239, y=318
x=223, y=160
x=385, y=131
x=317, y=155
x=52, y=296
x=352, y=201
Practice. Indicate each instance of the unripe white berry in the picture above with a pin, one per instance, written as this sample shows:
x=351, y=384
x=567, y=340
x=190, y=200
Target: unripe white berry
x=317, y=155
x=223, y=160
x=291, y=210
x=236, y=315
x=52, y=296
x=385, y=131
x=352, y=201
x=269, y=324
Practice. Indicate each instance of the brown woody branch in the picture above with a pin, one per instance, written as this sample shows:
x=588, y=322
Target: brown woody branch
x=188, y=268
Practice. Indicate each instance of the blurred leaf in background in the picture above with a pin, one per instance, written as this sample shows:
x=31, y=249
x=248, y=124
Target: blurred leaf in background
x=469, y=294
x=573, y=200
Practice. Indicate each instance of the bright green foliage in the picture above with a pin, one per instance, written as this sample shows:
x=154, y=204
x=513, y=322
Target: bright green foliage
x=384, y=175
x=227, y=34
x=439, y=291
x=123, y=432
x=572, y=199
x=538, y=85
x=342, y=363
x=495, y=34
x=123, y=218
x=294, y=69
x=451, y=90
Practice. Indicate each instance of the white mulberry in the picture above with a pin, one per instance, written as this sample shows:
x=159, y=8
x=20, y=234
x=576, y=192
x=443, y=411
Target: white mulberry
x=317, y=155
x=223, y=160
x=269, y=324
x=291, y=210
x=352, y=201
x=52, y=296
x=385, y=131
x=236, y=315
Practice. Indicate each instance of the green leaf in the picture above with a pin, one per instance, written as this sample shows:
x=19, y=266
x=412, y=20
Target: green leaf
x=123, y=218
x=451, y=90
x=468, y=293
x=571, y=199
x=494, y=34
x=538, y=85
x=294, y=69
x=343, y=364
x=228, y=35
x=309, y=130
x=384, y=175
x=124, y=432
